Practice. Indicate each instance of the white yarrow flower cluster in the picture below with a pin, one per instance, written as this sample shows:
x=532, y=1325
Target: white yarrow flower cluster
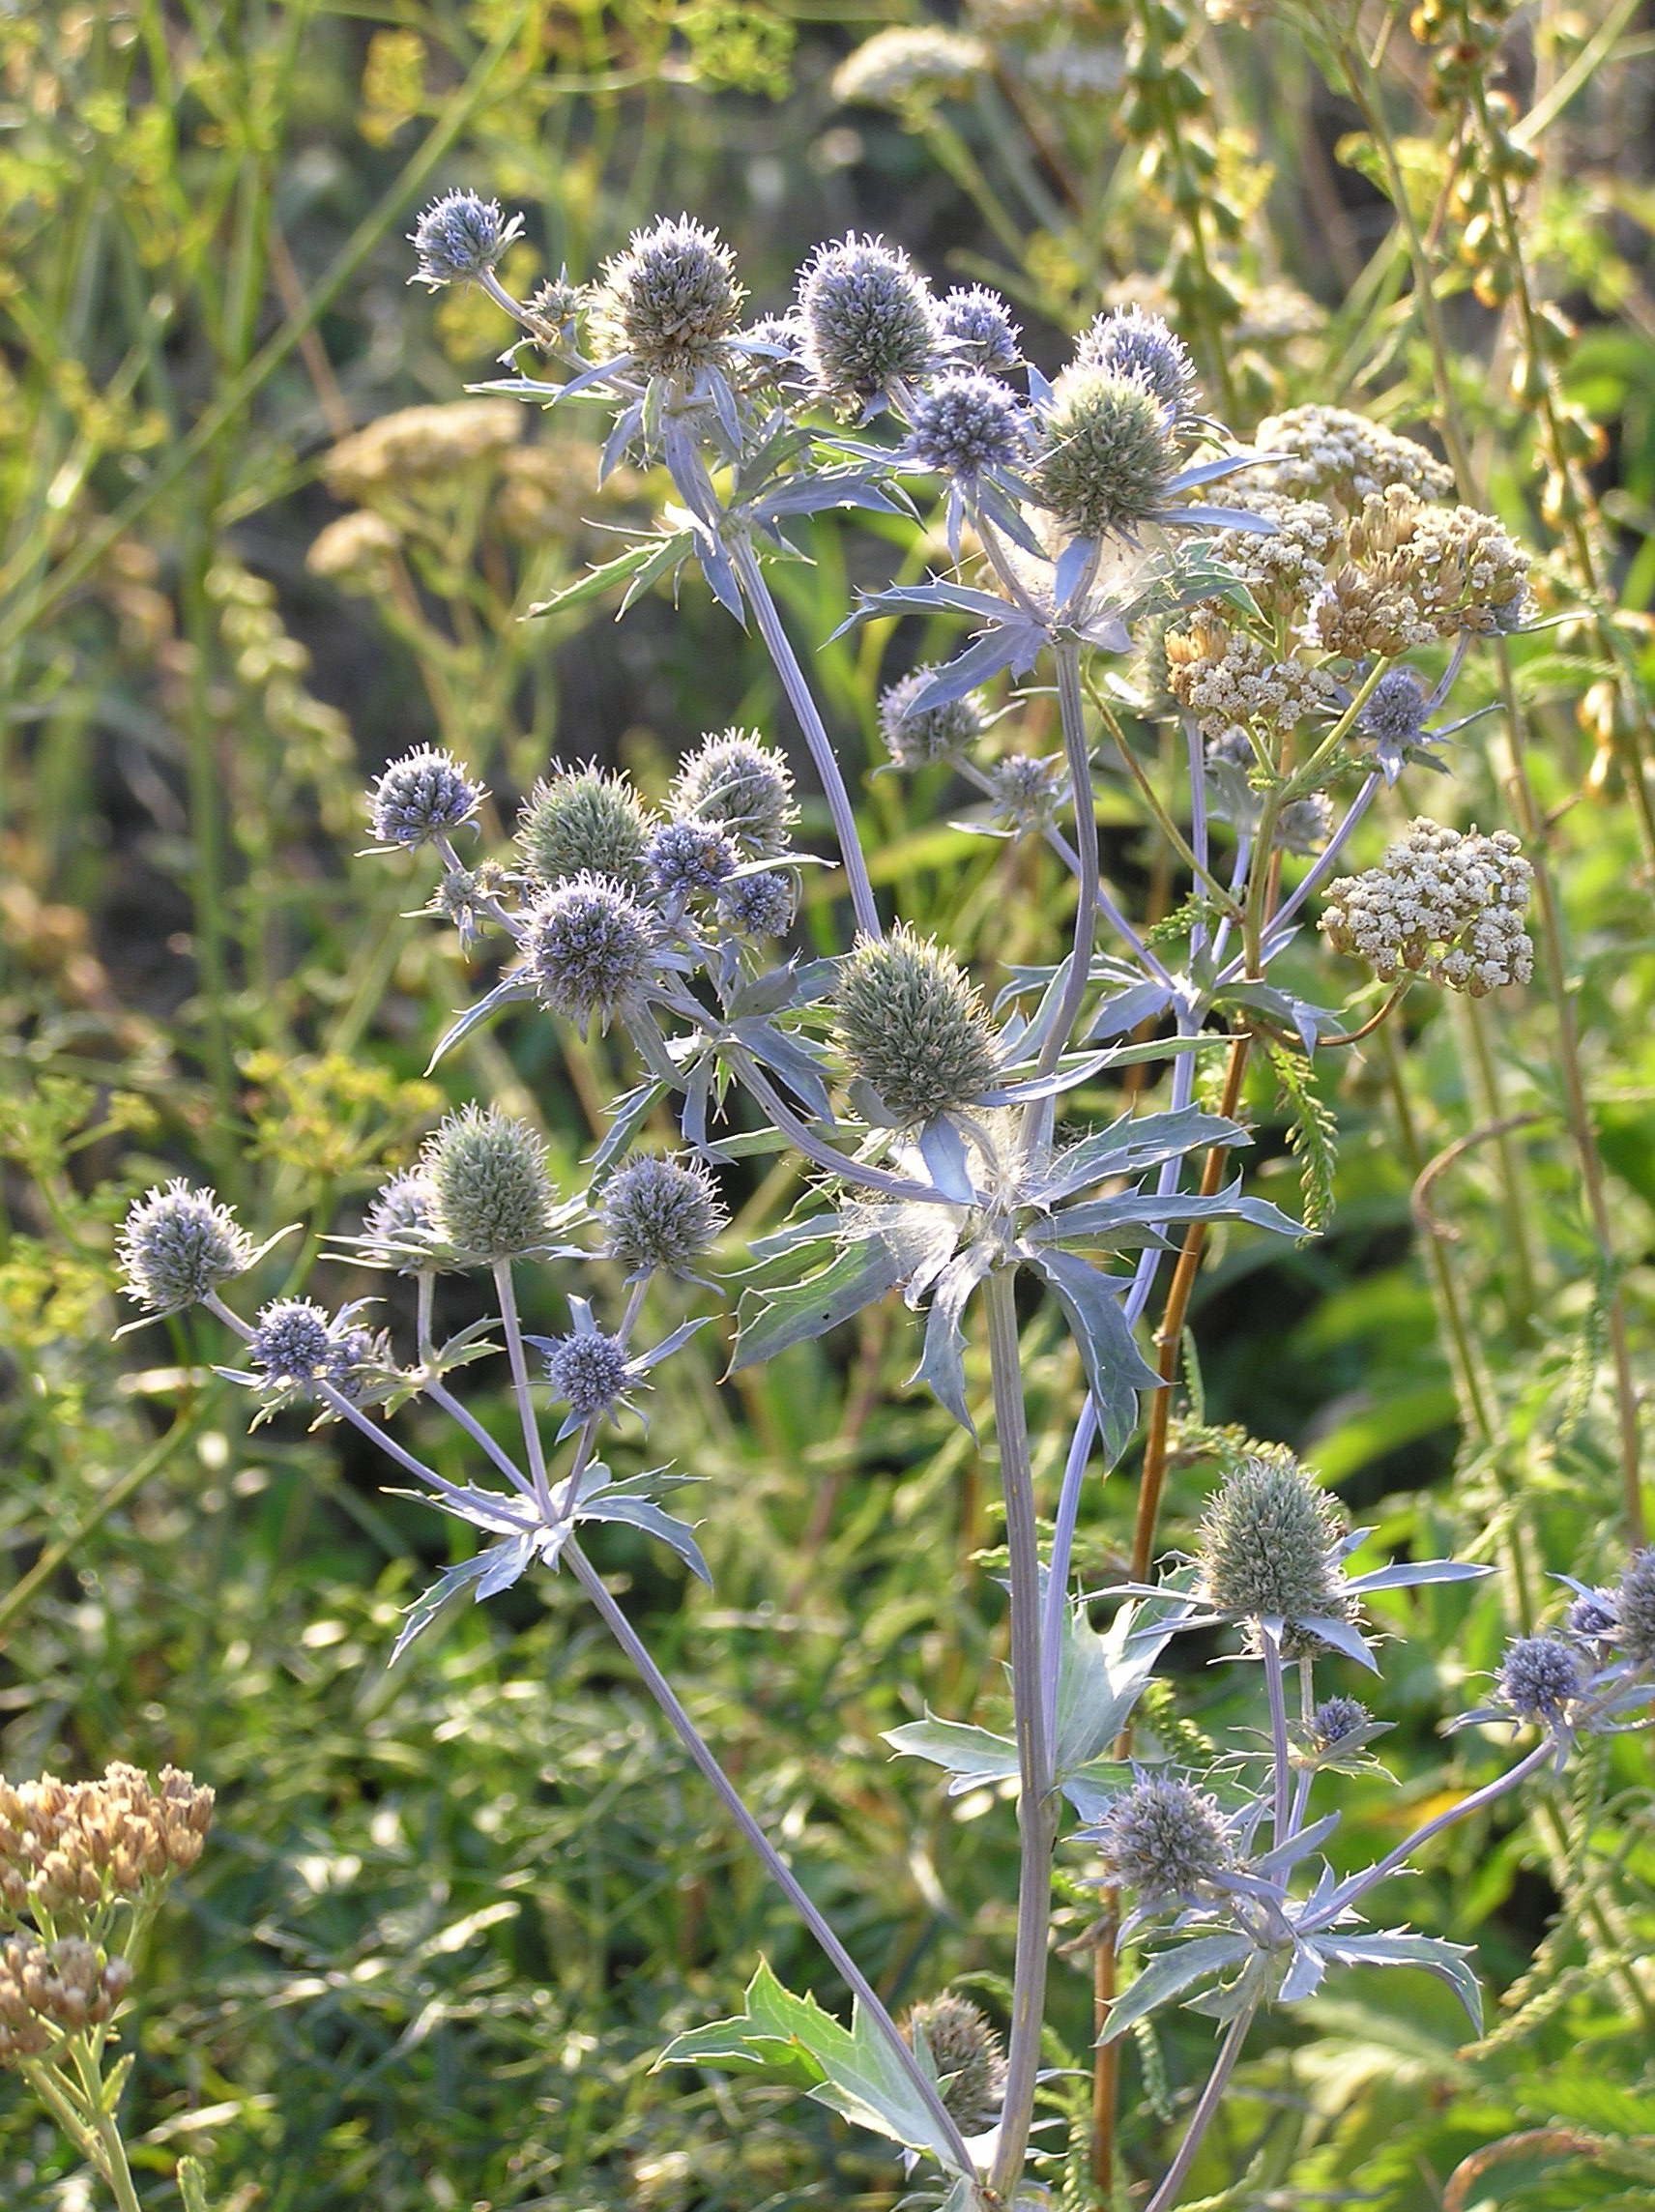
x=1445, y=905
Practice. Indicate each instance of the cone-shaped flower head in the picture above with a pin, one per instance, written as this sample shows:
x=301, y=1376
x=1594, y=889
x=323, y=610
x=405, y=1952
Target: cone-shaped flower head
x=979, y=325
x=671, y=300
x=740, y=785
x=459, y=237
x=588, y=947
x=1539, y=1678
x=1337, y=1718
x=177, y=1244
x=1133, y=342
x=1164, y=1838
x=660, y=1213
x=1594, y=1615
x=425, y=794
x=968, y=2057
x=491, y=1186
x=1635, y=1611
x=1106, y=460
x=912, y=1024
x=916, y=735
x=758, y=906
x=685, y=858
x=1270, y=1546
x=584, y=821
x=296, y=1347
x=967, y=421
x=590, y=1370
x=867, y=317
x=399, y=1229
x=1393, y=719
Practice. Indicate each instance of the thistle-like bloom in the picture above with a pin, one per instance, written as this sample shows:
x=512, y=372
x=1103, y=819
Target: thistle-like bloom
x=762, y=905
x=660, y=1213
x=296, y=1347
x=1594, y=1615
x=469, y=899
x=915, y=736
x=967, y=423
x=459, y=237
x=671, y=300
x=1134, y=343
x=1393, y=720
x=867, y=318
x=177, y=1244
x=591, y=1371
x=399, y=1229
x=584, y=821
x=968, y=2056
x=424, y=795
x=740, y=785
x=491, y=1186
x=1028, y=791
x=589, y=947
x=1270, y=1547
x=687, y=857
x=977, y=329
x=1634, y=1612
x=912, y=1026
x=1448, y=905
x=1165, y=1839
x=1106, y=460
x=1540, y=1678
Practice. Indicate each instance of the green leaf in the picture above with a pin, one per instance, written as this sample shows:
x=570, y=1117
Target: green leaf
x=1116, y=1370
x=972, y=1755
x=1168, y=1975
x=862, y=1272
x=191, y=2179
x=1448, y=1961
x=1100, y=1678
x=1313, y=1132
x=649, y=554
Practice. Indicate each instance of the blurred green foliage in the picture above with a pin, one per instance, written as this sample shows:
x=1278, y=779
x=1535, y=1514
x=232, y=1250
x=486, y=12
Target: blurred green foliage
x=447, y=1917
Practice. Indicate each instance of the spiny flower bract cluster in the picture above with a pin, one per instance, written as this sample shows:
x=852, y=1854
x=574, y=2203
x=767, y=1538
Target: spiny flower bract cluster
x=589, y=947
x=912, y=1025
x=1132, y=342
x=584, y=821
x=866, y=318
x=967, y=421
x=179, y=1243
x=660, y=1213
x=916, y=735
x=424, y=795
x=1106, y=460
x=590, y=1370
x=1541, y=1676
x=459, y=237
x=968, y=2056
x=671, y=300
x=491, y=1188
x=1269, y=1546
x=743, y=786
x=1164, y=1838
x=977, y=331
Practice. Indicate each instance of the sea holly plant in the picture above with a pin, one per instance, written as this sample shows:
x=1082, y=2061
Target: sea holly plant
x=1303, y=639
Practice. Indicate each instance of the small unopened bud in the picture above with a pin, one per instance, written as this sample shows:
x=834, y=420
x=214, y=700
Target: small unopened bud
x=912, y=1024
x=296, y=1347
x=584, y=821
x=1269, y=1545
x=1106, y=459
x=590, y=1370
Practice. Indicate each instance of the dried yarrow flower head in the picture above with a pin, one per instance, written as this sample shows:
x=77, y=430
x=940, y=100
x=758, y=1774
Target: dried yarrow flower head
x=70, y=1849
x=583, y=821
x=1330, y=454
x=741, y=786
x=1440, y=904
x=671, y=300
x=1231, y=681
x=1106, y=460
x=459, y=237
x=399, y=1229
x=1540, y=1678
x=1460, y=568
x=660, y=1213
x=912, y=1024
x=1283, y=568
x=967, y=2053
x=421, y=445
x=916, y=735
x=49, y=1990
x=357, y=552
x=685, y=858
x=424, y=795
x=906, y=63
x=492, y=1188
x=761, y=905
x=965, y=423
x=1634, y=1612
x=866, y=318
x=590, y=1370
x=589, y=947
x=1164, y=1838
x=977, y=331
x=1270, y=1546
x=1132, y=342
x=177, y=1244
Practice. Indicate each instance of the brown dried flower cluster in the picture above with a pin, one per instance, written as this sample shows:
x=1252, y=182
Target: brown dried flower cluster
x=84, y=1843
x=48, y=1989
x=1228, y=680
x=418, y=444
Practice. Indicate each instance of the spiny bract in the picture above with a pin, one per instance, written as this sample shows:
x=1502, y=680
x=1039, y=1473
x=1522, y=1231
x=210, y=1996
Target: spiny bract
x=177, y=1244
x=585, y=819
x=912, y=1024
x=1269, y=1546
x=491, y=1186
x=660, y=1213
